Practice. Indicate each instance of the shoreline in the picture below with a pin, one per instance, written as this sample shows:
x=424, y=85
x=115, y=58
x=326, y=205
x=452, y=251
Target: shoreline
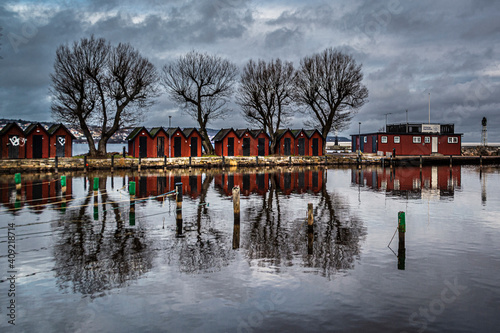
x=120, y=163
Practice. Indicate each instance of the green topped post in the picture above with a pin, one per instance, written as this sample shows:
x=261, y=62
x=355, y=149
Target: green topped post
x=131, y=188
x=401, y=247
x=63, y=181
x=17, y=179
x=96, y=184
x=401, y=222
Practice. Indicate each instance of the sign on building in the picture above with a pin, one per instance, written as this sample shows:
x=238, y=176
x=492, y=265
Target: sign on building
x=431, y=128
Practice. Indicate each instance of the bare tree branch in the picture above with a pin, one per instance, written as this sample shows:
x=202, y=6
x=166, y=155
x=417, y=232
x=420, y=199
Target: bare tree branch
x=265, y=95
x=95, y=83
x=201, y=84
x=329, y=85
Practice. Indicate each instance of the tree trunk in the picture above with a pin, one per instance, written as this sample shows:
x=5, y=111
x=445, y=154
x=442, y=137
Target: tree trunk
x=207, y=145
x=101, y=147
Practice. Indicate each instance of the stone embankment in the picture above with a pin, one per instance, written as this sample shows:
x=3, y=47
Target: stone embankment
x=117, y=163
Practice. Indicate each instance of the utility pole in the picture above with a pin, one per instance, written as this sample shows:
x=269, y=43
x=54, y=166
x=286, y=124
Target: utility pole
x=386, y=114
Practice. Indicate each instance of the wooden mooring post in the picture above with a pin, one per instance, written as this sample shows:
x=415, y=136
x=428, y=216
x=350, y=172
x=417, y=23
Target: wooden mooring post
x=236, y=211
x=401, y=234
x=112, y=163
x=178, y=201
x=310, y=228
x=85, y=164
x=139, y=164
x=56, y=162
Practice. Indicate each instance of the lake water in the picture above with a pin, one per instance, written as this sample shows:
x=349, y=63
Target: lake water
x=86, y=268
x=83, y=148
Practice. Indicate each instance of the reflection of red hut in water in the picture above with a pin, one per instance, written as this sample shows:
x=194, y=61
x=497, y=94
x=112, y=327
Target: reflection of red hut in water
x=148, y=186
x=299, y=182
x=12, y=141
x=410, y=181
x=248, y=183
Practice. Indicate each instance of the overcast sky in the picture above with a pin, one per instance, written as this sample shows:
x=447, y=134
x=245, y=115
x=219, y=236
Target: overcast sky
x=449, y=49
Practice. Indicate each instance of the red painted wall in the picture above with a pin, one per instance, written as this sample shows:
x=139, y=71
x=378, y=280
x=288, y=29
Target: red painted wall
x=407, y=147
x=279, y=147
x=195, y=134
x=38, y=130
x=254, y=149
x=307, y=146
x=221, y=146
x=68, y=148
x=160, y=134
x=320, y=144
x=134, y=145
x=4, y=141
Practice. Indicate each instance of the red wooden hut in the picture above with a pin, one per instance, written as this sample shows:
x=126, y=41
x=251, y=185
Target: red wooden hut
x=12, y=142
x=160, y=141
x=140, y=143
x=316, y=142
x=260, y=143
x=178, y=143
x=37, y=141
x=60, y=141
x=194, y=140
x=285, y=142
x=227, y=143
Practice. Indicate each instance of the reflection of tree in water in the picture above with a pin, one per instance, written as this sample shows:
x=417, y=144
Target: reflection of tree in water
x=205, y=248
x=277, y=235
x=93, y=256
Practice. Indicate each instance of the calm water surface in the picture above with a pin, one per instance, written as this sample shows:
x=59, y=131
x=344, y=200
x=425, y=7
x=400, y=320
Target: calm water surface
x=86, y=268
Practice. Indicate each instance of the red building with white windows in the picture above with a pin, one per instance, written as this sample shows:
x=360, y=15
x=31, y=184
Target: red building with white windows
x=410, y=139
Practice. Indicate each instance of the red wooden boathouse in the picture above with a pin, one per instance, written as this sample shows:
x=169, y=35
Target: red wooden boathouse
x=12, y=141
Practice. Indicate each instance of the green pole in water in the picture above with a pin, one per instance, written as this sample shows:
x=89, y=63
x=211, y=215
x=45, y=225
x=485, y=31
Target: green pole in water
x=131, y=214
x=63, y=181
x=96, y=184
x=17, y=179
x=401, y=247
x=131, y=188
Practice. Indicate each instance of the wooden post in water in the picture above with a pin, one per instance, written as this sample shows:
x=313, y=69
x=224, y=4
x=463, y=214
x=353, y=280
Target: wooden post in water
x=56, y=164
x=178, y=200
x=63, y=184
x=112, y=163
x=451, y=161
x=310, y=216
x=85, y=165
x=420, y=161
x=257, y=160
x=164, y=163
x=401, y=246
x=481, y=161
x=139, y=165
x=17, y=179
x=124, y=153
x=96, y=200
x=236, y=204
x=289, y=161
x=131, y=214
x=236, y=210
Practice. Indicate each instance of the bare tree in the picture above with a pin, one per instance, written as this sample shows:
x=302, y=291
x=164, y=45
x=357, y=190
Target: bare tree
x=329, y=85
x=265, y=94
x=95, y=83
x=202, y=84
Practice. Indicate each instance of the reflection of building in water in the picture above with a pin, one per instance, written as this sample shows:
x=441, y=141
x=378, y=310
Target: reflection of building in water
x=35, y=194
x=248, y=183
x=411, y=182
x=147, y=186
x=287, y=182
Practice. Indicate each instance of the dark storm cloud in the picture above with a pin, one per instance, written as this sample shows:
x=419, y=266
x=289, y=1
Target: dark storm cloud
x=408, y=50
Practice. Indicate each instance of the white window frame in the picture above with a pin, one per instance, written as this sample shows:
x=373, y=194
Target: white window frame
x=365, y=139
x=427, y=139
x=383, y=139
x=397, y=139
x=452, y=139
x=417, y=139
